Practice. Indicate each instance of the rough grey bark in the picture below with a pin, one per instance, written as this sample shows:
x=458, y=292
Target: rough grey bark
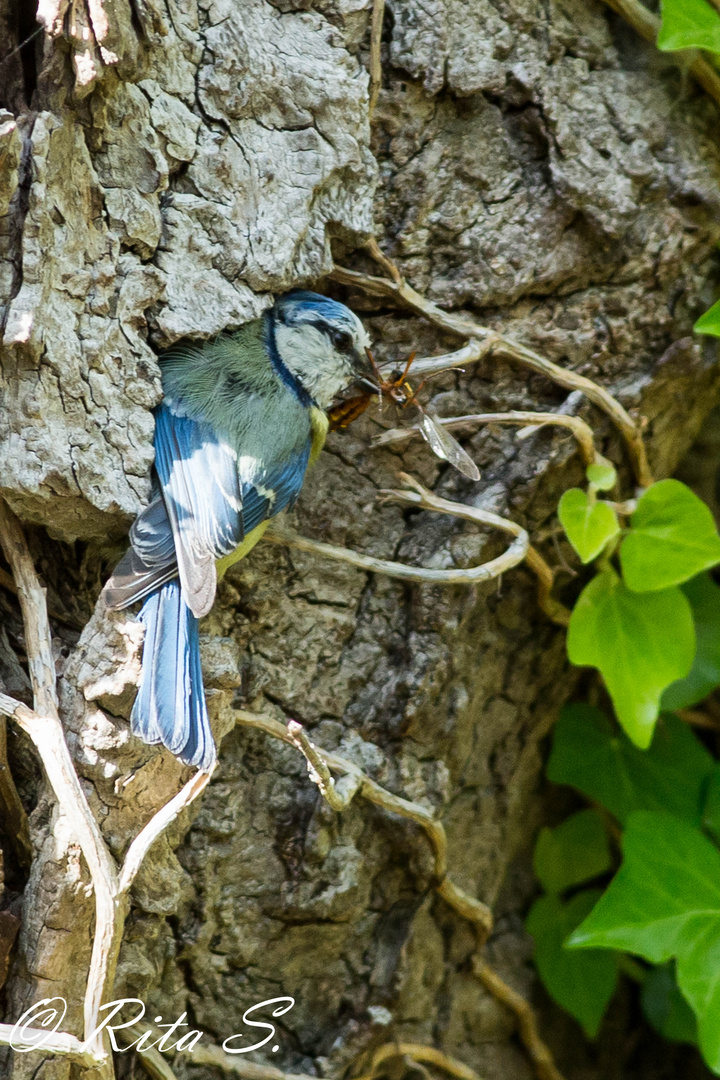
x=176, y=168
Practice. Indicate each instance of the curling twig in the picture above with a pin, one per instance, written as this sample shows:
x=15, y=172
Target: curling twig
x=482, y=341
x=433, y=365
x=527, y=1024
x=426, y=500
x=422, y=1054
x=369, y=789
x=583, y=432
x=554, y=610
x=520, y=549
x=366, y=787
x=515, y=553
x=477, y=913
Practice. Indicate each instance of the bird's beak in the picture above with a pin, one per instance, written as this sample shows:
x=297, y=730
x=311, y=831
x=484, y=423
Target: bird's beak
x=366, y=377
x=370, y=385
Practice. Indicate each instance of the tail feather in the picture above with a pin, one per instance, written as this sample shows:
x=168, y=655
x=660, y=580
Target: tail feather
x=170, y=706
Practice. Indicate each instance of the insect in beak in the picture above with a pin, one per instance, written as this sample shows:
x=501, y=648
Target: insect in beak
x=399, y=390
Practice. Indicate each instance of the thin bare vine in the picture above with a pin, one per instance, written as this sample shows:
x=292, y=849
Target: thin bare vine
x=354, y=782
x=111, y=884
x=482, y=341
x=376, y=25
x=531, y=420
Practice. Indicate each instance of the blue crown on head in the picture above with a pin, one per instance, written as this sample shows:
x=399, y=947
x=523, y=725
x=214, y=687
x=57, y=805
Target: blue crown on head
x=301, y=306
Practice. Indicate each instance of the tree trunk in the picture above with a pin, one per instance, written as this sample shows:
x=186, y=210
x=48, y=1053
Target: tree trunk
x=165, y=169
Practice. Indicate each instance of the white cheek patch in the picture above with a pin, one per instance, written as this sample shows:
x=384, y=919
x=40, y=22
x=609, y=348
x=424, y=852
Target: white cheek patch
x=308, y=353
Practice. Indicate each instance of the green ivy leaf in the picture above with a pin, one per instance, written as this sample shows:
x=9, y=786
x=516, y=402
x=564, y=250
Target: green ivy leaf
x=602, y=474
x=591, y=755
x=665, y=1007
x=709, y=323
x=704, y=677
x=582, y=983
x=673, y=538
x=639, y=643
x=589, y=525
x=689, y=24
x=664, y=902
x=574, y=852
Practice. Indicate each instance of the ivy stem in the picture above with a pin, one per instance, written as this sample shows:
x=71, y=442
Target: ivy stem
x=625, y=509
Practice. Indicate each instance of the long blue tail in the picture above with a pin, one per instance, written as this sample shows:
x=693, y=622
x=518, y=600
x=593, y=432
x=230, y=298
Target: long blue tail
x=170, y=706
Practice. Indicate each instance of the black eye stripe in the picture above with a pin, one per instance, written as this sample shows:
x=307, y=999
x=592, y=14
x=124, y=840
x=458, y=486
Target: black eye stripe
x=342, y=339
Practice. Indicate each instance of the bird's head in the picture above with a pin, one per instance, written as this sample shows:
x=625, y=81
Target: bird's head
x=322, y=343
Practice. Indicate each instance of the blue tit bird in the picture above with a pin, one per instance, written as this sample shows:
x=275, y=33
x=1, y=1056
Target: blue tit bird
x=242, y=418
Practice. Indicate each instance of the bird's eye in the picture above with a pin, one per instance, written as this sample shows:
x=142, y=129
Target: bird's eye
x=341, y=340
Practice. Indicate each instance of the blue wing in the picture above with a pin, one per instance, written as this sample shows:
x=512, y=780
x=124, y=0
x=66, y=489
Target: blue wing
x=201, y=492
x=208, y=500
x=214, y=498
x=268, y=492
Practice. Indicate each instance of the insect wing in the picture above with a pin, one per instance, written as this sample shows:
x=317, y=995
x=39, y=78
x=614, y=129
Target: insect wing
x=446, y=447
